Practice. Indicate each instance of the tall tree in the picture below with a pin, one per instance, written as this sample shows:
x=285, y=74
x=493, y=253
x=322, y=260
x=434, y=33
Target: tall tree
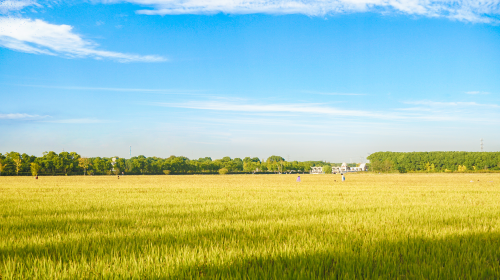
x=84, y=163
x=2, y=166
x=35, y=167
x=16, y=157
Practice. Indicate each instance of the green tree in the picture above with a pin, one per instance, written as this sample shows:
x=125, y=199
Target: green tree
x=84, y=163
x=17, y=161
x=35, y=167
x=250, y=166
x=327, y=169
x=2, y=166
x=64, y=162
x=48, y=161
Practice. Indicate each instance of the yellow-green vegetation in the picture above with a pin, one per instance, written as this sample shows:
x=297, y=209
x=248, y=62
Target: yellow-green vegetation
x=389, y=226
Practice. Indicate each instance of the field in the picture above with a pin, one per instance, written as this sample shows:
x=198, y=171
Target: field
x=394, y=226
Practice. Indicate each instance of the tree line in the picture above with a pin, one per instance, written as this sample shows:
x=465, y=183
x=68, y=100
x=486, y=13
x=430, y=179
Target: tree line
x=71, y=163
x=435, y=162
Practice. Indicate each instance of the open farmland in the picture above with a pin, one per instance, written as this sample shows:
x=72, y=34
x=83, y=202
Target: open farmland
x=433, y=226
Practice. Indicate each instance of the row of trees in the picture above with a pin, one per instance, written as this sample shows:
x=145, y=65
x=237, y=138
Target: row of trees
x=71, y=163
x=435, y=162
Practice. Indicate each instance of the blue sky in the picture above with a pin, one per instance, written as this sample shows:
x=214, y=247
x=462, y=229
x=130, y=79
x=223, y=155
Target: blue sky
x=308, y=80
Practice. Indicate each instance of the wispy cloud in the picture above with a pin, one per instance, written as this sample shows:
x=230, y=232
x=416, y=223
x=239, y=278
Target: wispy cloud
x=8, y=6
x=332, y=93
x=39, y=37
x=415, y=109
x=451, y=104
x=167, y=91
x=463, y=10
x=20, y=116
x=477, y=92
x=309, y=108
x=435, y=111
x=80, y=121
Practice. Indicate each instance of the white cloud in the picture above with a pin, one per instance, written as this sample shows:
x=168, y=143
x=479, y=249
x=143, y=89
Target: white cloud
x=332, y=93
x=39, y=37
x=437, y=111
x=476, y=92
x=165, y=91
x=80, y=121
x=415, y=109
x=8, y=6
x=464, y=10
x=452, y=104
x=20, y=116
x=309, y=108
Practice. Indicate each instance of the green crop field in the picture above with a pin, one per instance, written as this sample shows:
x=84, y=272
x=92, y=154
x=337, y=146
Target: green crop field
x=393, y=226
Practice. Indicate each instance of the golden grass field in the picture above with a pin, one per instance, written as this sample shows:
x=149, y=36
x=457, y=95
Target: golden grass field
x=389, y=226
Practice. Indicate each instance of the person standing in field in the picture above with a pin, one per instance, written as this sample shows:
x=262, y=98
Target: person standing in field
x=298, y=179
x=343, y=177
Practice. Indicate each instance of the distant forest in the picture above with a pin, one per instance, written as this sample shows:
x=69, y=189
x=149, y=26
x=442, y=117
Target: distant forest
x=435, y=162
x=71, y=163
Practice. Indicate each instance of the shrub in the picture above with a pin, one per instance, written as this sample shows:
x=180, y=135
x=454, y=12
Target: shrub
x=223, y=171
x=167, y=172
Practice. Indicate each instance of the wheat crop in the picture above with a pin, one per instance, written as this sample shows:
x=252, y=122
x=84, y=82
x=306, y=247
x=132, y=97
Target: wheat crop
x=372, y=226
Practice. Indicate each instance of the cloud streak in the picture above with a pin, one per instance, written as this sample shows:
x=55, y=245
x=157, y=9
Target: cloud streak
x=8, y=6
x=476, y=92
x=452, y=104
x=463, y=10
x=333, y=93
x=80, y=121
x=20, y=116
x=433, y=112
x=39, y=37
x=310, y=108
x=166, y=91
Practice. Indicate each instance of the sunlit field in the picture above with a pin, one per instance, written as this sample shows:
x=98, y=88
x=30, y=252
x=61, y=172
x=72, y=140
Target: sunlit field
x=432, y=226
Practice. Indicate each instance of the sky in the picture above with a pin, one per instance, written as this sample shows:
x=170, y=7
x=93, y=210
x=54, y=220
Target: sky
x=331, y=80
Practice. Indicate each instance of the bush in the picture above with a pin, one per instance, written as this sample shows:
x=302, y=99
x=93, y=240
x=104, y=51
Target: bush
x=167, y=172
x=327, y=169
x=223, y=171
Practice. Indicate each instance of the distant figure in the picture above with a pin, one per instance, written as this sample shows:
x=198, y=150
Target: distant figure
x=298, y=179
x=118, y=176
x=36, y=177
x=343, y=178
x=122, y=173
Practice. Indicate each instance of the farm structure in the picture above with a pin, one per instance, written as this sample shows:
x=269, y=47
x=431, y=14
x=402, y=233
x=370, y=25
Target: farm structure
x=345, y=168
x=316, y=170
x=337, y=169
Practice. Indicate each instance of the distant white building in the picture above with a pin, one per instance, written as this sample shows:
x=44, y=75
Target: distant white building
x=361, y=167
x=345, y=168
x=341, y=169
x=316, y=170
